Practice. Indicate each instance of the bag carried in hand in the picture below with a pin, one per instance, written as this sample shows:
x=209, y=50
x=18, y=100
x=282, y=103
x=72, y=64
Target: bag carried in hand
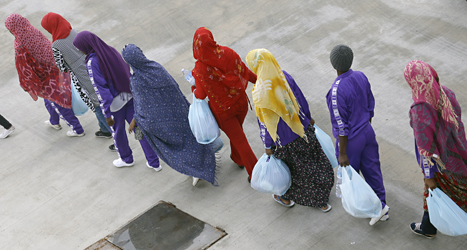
x=326, y=144
x=78, y=106
x=358, y=198
x=445, y=214
x=271, y=175
x=202, y=122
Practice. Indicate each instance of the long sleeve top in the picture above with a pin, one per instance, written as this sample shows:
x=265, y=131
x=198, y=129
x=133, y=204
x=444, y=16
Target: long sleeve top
x=285, y=134
x=105, y=90
x=428, y=171
x=350, y=103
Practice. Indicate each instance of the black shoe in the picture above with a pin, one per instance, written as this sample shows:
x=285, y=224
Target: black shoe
x=102, y=134
x=112, y=148
x=249, y=180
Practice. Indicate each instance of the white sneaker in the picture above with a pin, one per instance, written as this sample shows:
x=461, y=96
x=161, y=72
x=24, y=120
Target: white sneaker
x=73, y=133
x=195, y=181
x=385, y=217
x=57, y=126
x=383, y=213
x=156, y=169
x=7, y=132
x=120, y=163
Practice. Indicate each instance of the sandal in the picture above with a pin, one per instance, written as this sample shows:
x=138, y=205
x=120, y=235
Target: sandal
x=281, y=202
x=327, y=209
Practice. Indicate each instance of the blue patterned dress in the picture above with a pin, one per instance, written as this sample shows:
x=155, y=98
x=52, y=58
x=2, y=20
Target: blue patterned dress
x=161, y=112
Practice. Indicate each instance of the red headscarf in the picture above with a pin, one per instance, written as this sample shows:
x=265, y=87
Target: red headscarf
x=37, y=72
x=56, y=25
x=219, y=70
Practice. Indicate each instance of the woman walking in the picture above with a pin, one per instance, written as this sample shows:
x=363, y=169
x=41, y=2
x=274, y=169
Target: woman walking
x=69, y=59
x=161, y=112
x=38, y=74
x=110, y=76
x=440, y=143
x=221, y=75
x=287, y=131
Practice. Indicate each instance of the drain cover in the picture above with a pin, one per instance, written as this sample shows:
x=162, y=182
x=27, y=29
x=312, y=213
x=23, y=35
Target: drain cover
x=164, y=227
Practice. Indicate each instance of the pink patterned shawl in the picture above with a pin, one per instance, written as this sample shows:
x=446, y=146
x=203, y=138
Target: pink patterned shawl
x=435, y=117
x=38, y=74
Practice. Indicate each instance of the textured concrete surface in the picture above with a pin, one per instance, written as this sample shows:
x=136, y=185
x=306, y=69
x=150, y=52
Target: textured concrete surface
x=63, y=193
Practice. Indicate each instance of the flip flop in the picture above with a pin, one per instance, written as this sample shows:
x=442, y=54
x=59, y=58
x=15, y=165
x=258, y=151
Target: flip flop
x=281, y=202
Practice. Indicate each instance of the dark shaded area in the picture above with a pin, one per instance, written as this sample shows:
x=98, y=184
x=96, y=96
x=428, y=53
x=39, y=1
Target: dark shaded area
x=165, y=227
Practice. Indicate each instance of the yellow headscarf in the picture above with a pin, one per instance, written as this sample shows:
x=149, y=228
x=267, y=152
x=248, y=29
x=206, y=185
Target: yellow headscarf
x=272, y=95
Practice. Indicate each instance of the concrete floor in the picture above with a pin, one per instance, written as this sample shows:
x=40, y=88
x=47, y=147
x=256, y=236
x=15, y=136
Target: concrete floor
x=58, y=192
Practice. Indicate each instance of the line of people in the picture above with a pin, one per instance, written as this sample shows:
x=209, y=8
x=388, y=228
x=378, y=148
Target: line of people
x=150, y=100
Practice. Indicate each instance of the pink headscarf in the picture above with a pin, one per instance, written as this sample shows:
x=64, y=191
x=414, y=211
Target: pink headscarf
x=31, y=38
x=37, y=72
x=421, y=77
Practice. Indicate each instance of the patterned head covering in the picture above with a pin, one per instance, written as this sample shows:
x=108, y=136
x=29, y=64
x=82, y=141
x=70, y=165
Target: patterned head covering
x=56, y=25
x=421, y=77
x=111, y=63
x=272, y=95
x=219, y=69
x=29, y=37
x=37, y=72
x=146, y=73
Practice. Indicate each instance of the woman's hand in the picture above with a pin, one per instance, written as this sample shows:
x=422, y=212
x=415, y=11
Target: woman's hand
x=132, y=126
x=431, y=183
x=343, y=160
x=312, y=122
x=110, y=121
x=268, y=151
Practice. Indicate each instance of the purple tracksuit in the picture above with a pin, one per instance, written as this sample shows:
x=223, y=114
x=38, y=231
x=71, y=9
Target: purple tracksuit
x=351, y=104
x=106, y=92
x=56, y=112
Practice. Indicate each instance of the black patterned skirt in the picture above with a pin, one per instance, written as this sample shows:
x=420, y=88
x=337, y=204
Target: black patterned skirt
x=312, y=174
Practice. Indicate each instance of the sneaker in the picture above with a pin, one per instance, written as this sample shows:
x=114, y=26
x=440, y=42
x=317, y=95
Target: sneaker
x=278, y=199
x=73, y=133
x=119, y=163
x=7, y=132
x=56, y=126
x=103, y=134
x=157, y=169
x=385, y=217
x=383, y=213
x=416, y=229
x=112, y=148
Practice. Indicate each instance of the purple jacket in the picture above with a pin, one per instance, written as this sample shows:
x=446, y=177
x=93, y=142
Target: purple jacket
x=285, y=134
x=105, y=90
x=351, y=104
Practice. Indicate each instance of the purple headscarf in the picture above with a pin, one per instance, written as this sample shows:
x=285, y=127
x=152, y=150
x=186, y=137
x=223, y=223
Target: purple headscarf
x=111, y=63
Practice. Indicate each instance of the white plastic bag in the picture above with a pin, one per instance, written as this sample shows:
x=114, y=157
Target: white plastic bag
x=445, y=214
x=358, y=199
x=202, y=122
x=78, y=106
x=271, y=175
x=326, y=144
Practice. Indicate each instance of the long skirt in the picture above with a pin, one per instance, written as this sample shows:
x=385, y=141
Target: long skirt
x=311, y=171
x=454, y=186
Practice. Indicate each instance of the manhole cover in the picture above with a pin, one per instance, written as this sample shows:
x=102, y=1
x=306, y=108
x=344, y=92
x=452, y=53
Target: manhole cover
x=165, y=227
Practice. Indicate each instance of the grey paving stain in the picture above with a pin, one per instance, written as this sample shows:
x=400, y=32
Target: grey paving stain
x=164, y=227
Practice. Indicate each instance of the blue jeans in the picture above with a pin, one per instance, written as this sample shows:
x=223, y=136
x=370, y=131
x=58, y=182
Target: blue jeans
x=101, y=119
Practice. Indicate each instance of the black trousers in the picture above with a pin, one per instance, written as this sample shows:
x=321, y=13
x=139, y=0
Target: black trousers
x=4, y=122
